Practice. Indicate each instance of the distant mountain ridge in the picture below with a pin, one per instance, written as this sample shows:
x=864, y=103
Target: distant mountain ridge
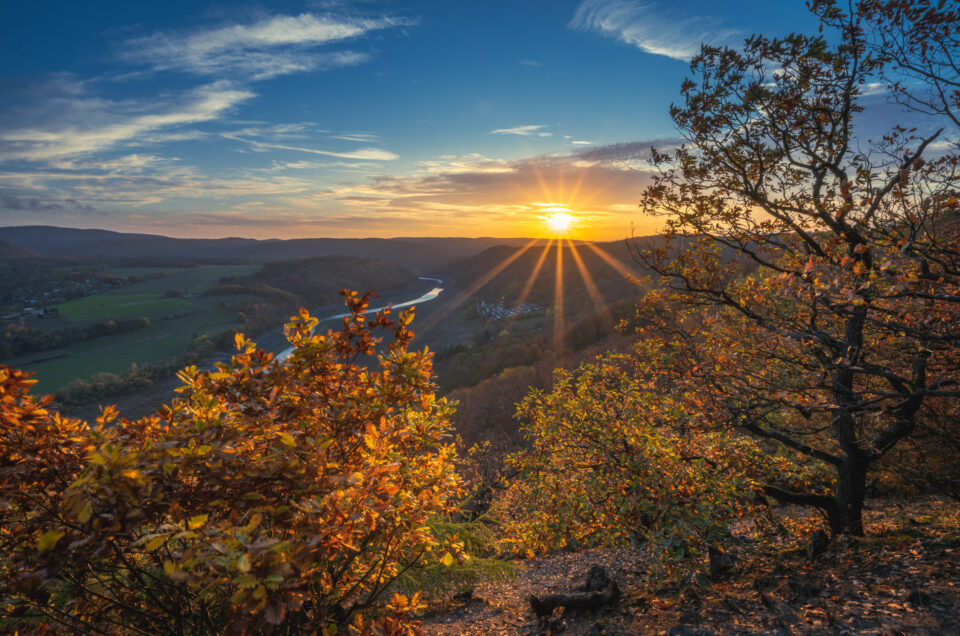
x=420, y=254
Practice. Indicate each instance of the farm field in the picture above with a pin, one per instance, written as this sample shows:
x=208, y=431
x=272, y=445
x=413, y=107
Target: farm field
x=173, y=323
x=192, y=280
x=119, y=305
x=114, y=354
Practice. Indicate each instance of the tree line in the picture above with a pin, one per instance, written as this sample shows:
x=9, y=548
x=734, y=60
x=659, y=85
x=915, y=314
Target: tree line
x=20, y=339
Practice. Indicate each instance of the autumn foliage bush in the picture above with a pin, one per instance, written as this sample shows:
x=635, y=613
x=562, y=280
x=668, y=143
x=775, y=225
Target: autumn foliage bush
x=622, y=451
x=269, y=495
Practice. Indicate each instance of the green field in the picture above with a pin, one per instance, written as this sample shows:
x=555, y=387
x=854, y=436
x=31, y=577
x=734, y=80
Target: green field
x=118, y=305
x=192, y=280
x=173, y=322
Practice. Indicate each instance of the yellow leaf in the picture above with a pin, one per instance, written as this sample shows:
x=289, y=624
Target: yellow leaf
x=255, y=520
x=197, y=522
x=246, y=581
x=259, y=593
x=85, y=512
x=155, y=543
x=287, y=439
x=243, y=564
x=447, y=559
x=49, y=540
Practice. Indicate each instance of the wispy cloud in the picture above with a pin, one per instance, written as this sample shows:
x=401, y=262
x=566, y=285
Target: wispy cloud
x=253, y=138
x=581, y=142
x=523, y=131
x=365, y=138
x=279, y=45
x=70, y=125
x=36, y=204
x=531, y=63
x=650, y=27
x=131, y=181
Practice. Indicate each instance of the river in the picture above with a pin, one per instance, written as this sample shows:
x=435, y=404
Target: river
x=430, y=295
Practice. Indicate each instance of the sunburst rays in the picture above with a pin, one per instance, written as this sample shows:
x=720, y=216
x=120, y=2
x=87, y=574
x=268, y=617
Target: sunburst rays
x=528, y=286
x=592, y=290
x=558, y=208
x=615, y=263
x=558, y=324
x=460, y=298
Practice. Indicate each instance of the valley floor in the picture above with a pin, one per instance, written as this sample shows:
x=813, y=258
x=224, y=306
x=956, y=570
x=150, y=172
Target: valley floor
x=903, y=577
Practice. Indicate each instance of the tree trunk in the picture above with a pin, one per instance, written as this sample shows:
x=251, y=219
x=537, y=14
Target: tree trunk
x=851, y=488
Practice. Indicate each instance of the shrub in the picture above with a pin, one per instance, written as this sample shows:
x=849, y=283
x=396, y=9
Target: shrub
x=617, y=457
x=267, y=494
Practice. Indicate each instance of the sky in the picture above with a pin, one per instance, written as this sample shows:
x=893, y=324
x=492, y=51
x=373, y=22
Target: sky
x=348, y=119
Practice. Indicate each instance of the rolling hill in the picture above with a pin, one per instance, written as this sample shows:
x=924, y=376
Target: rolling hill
x=419, y=254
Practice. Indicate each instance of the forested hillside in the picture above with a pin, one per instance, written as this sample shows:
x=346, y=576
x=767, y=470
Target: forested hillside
x=317, y=281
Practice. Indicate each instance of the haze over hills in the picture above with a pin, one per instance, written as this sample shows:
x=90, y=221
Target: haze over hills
x=424, y=254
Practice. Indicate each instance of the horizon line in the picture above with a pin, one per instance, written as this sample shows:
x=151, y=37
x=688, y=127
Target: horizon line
x=308, y=238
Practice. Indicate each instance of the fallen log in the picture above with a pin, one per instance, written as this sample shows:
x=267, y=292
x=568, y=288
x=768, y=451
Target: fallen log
x=598, y=591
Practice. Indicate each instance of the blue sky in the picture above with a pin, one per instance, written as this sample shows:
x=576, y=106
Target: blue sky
x=346, y=118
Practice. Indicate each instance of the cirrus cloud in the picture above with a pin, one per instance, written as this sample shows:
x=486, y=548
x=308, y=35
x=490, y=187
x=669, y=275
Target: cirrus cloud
x=523, y=131
x=278, y=45
x=70, y=125
x=650, y=27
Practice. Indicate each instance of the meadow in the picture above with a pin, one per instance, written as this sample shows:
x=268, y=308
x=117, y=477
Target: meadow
x=173, y=322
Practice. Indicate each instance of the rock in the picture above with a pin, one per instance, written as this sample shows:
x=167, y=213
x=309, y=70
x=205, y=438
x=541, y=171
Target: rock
x=805, y=588
x=722, y=561
x=919, y=598
x=598, y=590
x=687, y=630
x=818, y=544
x=597, y=579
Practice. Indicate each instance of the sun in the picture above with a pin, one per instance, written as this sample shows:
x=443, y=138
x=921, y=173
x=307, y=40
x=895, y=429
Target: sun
x=559, y=222
x=559, y=219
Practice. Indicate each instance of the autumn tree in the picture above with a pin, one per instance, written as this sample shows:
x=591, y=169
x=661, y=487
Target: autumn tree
x=823, y=257
x=270, y=494
x=617, y=456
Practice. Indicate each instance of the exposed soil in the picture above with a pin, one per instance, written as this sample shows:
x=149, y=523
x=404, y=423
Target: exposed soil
x=903, y=577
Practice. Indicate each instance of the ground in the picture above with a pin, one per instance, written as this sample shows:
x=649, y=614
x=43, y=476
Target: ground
x=903, y=577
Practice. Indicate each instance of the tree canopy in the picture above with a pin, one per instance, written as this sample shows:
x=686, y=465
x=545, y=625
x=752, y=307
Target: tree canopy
x=826, y=261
